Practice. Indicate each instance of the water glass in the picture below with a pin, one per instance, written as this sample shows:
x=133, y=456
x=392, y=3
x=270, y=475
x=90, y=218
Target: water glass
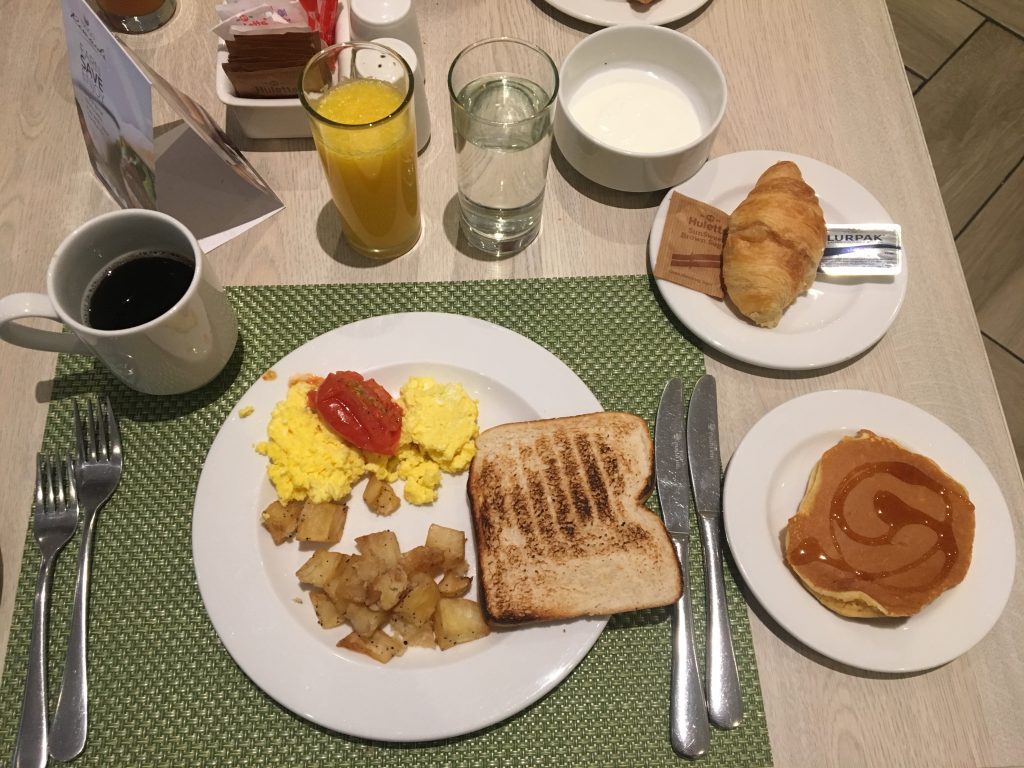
x=502, y=94
x=359, y=100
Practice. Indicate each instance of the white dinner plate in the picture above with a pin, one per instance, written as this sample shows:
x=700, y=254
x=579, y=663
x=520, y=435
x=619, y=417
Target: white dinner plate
x=835, y=320
x=610, y=13
x=766, y=480
x=249, y=587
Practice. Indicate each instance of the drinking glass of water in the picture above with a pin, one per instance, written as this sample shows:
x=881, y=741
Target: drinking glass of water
x=502, y=98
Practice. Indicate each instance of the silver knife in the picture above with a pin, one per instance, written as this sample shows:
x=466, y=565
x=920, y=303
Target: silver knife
x=689, y=715
x=725, y=702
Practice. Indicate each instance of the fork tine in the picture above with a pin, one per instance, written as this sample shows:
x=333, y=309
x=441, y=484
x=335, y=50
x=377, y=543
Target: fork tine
x=93, y=433
x=79, y=437
x=39, y=481
x=50, y=493
x=69, y=468
x=113, y=429
x=61, y=502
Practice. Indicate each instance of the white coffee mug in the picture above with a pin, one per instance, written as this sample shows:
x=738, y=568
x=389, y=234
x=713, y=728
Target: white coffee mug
x=178, y=351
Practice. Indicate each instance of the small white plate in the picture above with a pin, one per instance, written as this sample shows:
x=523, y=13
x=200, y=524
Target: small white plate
x=249, y=587
x=610, y=13
x=834, y=321
x=764, y=483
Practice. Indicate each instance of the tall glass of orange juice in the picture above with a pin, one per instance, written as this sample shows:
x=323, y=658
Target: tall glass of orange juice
x=359, y=100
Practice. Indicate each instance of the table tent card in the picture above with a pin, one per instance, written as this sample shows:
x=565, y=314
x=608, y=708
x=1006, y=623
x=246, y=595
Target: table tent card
x=189, y=170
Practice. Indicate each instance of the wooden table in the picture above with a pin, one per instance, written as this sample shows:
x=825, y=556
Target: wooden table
x=819, y=79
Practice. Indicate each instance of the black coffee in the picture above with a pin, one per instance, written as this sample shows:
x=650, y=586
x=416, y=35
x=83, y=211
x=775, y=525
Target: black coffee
x=136, y=288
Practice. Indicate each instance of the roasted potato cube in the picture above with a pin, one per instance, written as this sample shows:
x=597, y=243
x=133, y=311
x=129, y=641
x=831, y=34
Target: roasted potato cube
x=321, y=523
x=389, y=587
x=327, y=613
x=320, y=568
x=281, y=520
x=458, y=620
x=451, y=542
x=365, y=620
x=421, y=636
x=453, y=585
x=423, y=560
x=380, y=497
x=348, y=582
x=419, y=603
x=380, y=646
x=383, y=546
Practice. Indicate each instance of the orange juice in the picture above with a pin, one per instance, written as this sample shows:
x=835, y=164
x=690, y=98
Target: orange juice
x=370, y=166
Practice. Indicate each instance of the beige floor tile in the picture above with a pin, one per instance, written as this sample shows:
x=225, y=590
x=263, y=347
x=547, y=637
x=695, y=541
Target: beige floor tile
x=1009, y=13
x=929, y=31
x=971, y=115
x=914, y=80
x=1009, y=375
x=992, y=253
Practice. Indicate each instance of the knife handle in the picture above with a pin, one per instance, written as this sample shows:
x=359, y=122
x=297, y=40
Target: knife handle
x=691, y=734
x=725, y=701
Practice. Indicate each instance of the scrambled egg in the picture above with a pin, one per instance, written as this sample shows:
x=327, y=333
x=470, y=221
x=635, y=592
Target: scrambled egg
x=309, y=461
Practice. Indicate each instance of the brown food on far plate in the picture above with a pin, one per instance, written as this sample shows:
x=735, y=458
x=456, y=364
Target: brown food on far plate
x=881, y=531
x=775, y=240
x=561, y=527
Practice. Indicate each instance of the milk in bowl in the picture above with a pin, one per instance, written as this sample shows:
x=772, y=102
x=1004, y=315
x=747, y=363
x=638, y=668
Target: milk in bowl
x=639, y=110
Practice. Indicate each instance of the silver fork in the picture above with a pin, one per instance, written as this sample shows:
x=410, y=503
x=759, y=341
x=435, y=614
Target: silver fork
x=55, y=518
x=98, y=471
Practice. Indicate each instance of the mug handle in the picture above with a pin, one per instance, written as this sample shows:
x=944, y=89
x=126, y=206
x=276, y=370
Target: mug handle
x=21, y=305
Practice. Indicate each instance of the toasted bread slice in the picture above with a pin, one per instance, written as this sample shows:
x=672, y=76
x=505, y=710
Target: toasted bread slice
x=561, y=527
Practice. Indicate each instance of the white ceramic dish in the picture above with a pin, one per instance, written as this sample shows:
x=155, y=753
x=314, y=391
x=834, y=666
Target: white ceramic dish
x=608, y=13
x=248, y=585
x=639, y=60
x=271, y=118
x=262, y=118
x=764, y=483
x=834, y=321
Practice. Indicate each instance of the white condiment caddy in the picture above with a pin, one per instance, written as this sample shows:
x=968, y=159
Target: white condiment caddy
x=391, y=23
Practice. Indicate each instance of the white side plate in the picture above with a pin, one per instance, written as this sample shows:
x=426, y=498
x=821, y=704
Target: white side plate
x=766, y=480
x=835, y=320
x=610, y=13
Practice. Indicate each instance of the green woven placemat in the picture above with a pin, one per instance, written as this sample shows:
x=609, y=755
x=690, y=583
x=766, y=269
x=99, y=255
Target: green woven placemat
x=164, y=692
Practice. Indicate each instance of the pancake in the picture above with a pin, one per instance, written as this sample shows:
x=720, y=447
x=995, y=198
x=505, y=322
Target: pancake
x=881, y=531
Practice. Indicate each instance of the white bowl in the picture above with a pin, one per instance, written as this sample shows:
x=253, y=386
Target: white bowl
x=639, y=107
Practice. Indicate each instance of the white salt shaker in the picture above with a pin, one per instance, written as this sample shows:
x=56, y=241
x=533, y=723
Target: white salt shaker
x=371, y=19
x=419, y=96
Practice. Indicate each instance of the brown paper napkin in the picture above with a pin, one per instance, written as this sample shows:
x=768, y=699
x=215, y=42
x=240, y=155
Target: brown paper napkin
x=269, y=66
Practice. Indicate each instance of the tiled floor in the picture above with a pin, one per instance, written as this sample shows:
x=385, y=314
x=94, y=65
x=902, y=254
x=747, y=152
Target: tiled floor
x=965, y=64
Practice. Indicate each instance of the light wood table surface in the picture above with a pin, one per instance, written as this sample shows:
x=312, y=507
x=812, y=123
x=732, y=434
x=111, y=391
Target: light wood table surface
x=814, y=78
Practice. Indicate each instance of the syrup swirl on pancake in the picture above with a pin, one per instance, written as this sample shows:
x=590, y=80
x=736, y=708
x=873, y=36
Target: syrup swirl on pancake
x=881, y=530
x=895, y=513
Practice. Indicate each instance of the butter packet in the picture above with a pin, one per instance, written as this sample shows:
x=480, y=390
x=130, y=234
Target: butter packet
x=691, y=247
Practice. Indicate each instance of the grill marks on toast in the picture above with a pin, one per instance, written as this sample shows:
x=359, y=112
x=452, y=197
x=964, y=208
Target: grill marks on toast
x=563, y=484
x=561, y=530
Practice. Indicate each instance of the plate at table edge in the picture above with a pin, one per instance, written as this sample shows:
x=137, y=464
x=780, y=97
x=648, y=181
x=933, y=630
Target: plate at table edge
x=831, y=323
x=610, y=13
x=425, y=694
x=764, y=483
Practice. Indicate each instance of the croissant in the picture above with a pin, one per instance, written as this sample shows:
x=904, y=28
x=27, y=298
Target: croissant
x=773, y=245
